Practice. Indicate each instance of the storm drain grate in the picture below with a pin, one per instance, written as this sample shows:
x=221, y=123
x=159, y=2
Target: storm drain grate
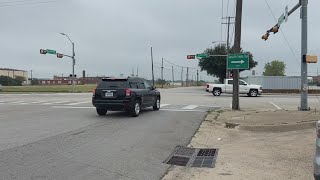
x=192, y=157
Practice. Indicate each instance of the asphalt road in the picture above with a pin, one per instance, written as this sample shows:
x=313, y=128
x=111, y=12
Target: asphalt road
x=60, y=136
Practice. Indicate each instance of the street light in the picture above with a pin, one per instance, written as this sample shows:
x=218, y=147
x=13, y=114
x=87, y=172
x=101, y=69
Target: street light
x=73, y=59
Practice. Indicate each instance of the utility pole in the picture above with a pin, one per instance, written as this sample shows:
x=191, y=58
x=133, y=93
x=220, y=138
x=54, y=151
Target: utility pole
x=237, y=46
x=162, y=74
x=31, y=77
x=187, y=77
x=197, y=77
x=172, y=77
x=304, y=51
x=181, y=76
x=137, y=71
x=228, y=37
x=152, y=68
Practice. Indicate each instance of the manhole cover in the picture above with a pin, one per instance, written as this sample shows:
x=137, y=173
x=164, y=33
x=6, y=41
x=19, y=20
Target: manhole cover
x=192, y=157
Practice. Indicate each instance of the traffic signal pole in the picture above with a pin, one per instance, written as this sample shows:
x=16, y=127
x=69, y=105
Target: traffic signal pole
x=304, y=50
x=237, y=42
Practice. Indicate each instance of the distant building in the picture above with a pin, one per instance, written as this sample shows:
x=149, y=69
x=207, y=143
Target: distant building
x=14, y=73
x=59, y=80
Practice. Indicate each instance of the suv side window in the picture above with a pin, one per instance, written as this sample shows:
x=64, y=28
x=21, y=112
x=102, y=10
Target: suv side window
x=133, y=84
x=147, y=85
x=141, y=84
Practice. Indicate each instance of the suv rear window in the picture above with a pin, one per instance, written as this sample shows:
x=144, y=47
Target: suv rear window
x=110, y=83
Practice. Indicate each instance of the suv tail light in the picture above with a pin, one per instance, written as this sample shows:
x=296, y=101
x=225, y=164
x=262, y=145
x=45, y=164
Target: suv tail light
x=128, y=92
x=94, y=92
x=318, y=129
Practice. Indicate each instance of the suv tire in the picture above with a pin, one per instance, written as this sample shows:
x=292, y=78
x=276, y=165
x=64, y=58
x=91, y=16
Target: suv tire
x=135, y=111
x=101, y=112
x=156, y=105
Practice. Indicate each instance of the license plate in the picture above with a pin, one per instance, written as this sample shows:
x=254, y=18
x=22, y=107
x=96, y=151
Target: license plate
x=109, y=94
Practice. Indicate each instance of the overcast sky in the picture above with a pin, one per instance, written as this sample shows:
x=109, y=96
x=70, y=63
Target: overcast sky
x=113, y=36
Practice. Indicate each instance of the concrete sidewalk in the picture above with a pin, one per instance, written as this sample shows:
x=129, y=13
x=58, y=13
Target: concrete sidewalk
x=255, y=145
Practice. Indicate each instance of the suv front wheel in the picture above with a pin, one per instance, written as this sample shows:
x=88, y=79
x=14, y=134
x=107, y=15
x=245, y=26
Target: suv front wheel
x=156, y=105
x=101, y=112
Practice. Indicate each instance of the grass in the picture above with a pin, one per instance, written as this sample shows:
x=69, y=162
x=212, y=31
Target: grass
x=51, y=88
x=57, y=88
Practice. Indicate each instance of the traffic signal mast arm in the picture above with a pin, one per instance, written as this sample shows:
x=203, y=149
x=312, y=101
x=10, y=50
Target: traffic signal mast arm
x=276, y=27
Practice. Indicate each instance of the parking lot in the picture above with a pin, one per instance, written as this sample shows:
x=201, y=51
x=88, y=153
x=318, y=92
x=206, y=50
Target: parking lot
x=60, y=136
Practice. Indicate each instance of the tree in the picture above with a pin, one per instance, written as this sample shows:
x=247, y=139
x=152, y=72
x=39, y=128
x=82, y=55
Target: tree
x=216, y=66
x=275, y=68
x=9, y=81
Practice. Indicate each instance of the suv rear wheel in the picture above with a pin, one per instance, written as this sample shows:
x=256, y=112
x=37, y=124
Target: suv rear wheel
x=135, y=111
x=156, y=105
x=101, y=112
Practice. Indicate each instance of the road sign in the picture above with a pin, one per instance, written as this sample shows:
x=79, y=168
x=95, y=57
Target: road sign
x=191, y=56
x=49, y=51
x=199, y=56
x=281, y=19
x=238, y=61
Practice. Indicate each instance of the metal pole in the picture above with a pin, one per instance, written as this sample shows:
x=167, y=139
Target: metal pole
x=31, y=78
x=187, y=78
x=172, y=77
x=181, y=76
x=237, y=42
x=152, y=68
x=304, y=51
x=162, y=74
x=73, y=63
x=227, y=71
x=197, y=77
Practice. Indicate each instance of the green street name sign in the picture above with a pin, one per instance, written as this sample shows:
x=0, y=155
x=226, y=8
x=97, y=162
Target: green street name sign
x=49, y=51
x=199, y=56
x=238, y=61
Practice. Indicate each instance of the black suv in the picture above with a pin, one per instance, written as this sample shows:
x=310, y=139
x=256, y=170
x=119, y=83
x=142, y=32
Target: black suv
x=125, y=94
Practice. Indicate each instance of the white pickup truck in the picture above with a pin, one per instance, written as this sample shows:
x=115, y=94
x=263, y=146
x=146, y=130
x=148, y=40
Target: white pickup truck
x=227, y=87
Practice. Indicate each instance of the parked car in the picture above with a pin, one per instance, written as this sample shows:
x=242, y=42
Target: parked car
x=227, y=87
x=316, y=161
x=125, y=94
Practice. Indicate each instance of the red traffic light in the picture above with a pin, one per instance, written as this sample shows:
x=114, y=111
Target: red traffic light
x=43, y=51
x=191, y=56
x=59, y=55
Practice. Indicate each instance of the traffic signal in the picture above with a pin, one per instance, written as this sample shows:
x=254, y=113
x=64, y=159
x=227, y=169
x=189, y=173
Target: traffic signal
x=191, y=56
x=266, y=36
x=43, y=51
x=59, y=55
x=310, y=59
x=274, y=29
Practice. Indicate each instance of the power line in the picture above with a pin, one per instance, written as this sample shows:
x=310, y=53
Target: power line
x=283, y=33
x=178, y=65
x=30, y=3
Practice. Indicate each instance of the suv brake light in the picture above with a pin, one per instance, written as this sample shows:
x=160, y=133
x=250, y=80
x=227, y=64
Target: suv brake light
x=128, y=92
